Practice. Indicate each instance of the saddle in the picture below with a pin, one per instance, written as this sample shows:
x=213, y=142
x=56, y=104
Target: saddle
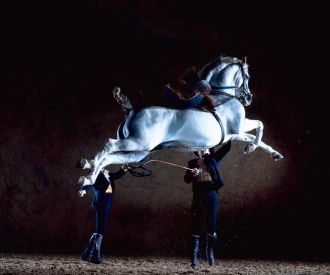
x=171, y=100
x=202, y=102
x=177, y=101
x=174, y=101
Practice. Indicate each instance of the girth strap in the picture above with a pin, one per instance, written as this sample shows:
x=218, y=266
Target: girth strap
x=220, y=123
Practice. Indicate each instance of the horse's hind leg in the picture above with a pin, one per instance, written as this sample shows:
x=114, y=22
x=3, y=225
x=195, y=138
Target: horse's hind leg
x=114, y=145
x=90, y=164
x=121, y=145
x=249, y=125
x=114, y=158
x=110, y=147
x=268, y=149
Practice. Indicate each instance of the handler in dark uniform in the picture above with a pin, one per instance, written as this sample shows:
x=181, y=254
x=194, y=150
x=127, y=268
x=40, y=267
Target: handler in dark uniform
x=104, y=189
x=206, y=181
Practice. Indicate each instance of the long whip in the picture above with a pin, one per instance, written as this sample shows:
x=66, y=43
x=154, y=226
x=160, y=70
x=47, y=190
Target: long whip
x=169, y=163
x=147, y=172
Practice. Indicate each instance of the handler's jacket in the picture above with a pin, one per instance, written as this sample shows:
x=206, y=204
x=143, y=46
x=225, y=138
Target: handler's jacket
x=210, y=177
x=104, y=185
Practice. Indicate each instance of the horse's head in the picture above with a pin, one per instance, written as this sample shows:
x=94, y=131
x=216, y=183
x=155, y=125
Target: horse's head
x=229, y=76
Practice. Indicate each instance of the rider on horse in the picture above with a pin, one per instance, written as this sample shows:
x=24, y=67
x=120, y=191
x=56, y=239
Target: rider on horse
x=183, y=89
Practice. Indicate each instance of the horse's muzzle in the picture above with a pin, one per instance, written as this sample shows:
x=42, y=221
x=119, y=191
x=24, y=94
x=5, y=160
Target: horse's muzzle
x=248, y=99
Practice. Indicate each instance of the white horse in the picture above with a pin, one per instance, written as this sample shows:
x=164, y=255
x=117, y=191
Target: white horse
x=156, y=128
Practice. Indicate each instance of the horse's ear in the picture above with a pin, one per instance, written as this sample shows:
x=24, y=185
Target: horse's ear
x=245, y=60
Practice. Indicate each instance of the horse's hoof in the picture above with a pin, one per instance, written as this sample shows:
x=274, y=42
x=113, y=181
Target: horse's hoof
x=277, y=156
x=84, y=164
x=81, y=163
x=81, y=180
x=249, y=148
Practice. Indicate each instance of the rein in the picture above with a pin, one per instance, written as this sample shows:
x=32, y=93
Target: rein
x=134, y=170
x=218, y=91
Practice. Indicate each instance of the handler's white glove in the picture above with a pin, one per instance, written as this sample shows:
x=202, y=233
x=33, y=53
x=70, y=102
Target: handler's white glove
x=82, y=193
x=195, y=172
x=125, y=167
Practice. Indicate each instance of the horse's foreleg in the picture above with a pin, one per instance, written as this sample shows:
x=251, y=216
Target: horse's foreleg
x=249, y=125
x=251, y=138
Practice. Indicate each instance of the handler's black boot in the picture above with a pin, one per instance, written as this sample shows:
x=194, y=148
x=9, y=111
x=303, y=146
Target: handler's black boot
x=194, y=250
x=87, y=253
x=210, y=245
x=96, y=251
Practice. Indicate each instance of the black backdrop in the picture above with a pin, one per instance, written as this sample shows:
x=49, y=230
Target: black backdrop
x=59, y=64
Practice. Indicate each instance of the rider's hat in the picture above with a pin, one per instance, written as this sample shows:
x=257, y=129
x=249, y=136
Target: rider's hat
x=190, y=77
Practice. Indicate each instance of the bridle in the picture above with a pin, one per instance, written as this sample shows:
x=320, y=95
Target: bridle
x=241, y=92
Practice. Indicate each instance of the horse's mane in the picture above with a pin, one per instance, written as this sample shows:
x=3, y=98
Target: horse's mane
x=228, y=59
x=220, y=62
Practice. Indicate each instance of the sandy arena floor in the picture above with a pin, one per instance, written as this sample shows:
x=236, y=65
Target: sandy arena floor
x=62, y=264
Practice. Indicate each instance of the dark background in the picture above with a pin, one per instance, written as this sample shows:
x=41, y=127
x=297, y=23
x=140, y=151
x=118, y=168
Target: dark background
x=60, y=62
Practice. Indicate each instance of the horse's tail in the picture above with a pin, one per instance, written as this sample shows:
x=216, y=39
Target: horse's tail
x=122, y=99
x=120, y=132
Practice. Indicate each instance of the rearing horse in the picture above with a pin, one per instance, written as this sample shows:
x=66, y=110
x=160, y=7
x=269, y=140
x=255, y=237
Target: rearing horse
x=155, y=128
